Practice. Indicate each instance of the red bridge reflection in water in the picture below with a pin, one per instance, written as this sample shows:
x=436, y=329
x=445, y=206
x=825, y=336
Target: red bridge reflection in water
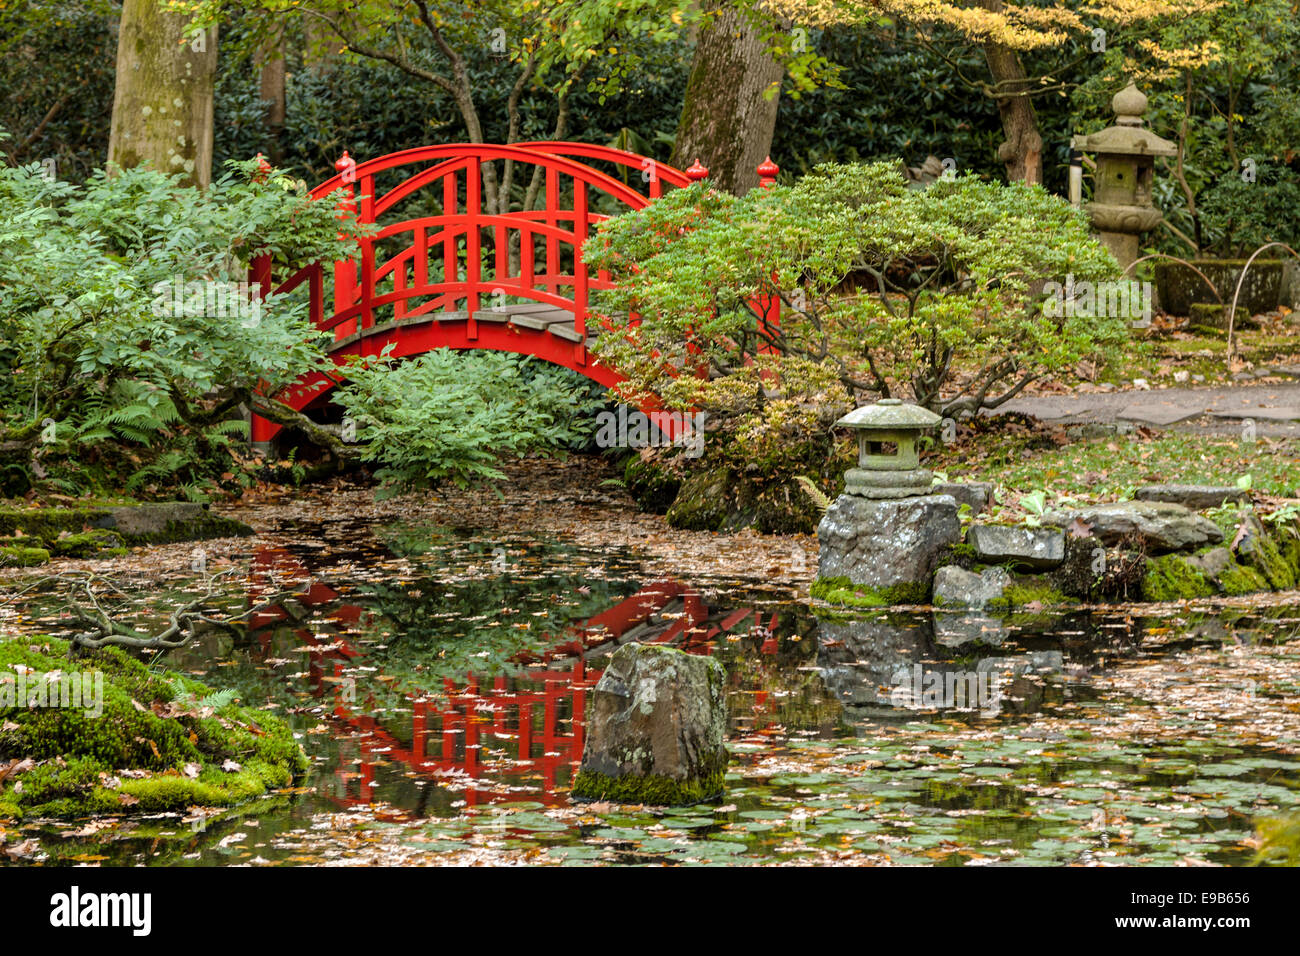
x=525, y=731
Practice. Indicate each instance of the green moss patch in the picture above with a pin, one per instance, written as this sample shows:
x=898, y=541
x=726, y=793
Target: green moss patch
x=653, y=789
x=1032, y=590
x=1264, y=556
x=21, y=556
x=131, y=740
x=1171, y=578
x=1237, y=579
x=841, y=590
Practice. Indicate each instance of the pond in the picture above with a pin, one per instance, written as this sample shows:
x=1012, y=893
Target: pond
x=438, y=678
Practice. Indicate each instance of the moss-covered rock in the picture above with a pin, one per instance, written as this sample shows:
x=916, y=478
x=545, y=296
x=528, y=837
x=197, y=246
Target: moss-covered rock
x=656, y=727
x=701, y=503
x=87, y=544
x=131, y=739
x=840, y=590
x=21, y=556
x=1261, y=552
x=104, y=530
x=722, y=499
x=1173, y=578
x=1237, y=579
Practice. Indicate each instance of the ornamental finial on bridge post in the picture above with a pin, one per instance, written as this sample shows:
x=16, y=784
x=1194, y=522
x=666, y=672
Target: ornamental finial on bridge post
x=696, y=171
x=346, y=165
x=767, y=173
x=263, y=169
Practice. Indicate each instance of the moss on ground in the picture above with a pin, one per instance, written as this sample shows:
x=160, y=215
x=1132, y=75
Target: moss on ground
x=140, y=741
x=841, y=590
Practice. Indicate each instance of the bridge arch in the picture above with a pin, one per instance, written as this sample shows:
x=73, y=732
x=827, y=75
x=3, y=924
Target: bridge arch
x=462, y=277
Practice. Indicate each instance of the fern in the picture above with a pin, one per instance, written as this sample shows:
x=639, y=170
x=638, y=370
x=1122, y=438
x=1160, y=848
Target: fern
x=217, y=700
x=819, y=500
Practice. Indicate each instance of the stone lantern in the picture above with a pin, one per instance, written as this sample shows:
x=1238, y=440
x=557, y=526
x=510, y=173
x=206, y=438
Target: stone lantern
x=888, y=466
x=1125, y=153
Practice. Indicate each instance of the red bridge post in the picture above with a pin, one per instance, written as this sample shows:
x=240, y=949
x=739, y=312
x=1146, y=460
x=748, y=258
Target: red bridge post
x=345, y=270
x=769, y=305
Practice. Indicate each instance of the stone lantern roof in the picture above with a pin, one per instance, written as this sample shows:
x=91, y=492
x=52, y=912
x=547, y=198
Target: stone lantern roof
x=1127, y=137
x=890, y=414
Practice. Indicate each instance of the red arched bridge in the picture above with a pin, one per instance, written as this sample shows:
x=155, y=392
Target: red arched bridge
x=441, y=272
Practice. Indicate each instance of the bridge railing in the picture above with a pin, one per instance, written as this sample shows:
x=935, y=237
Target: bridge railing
x=465, y=258
x=476, y=256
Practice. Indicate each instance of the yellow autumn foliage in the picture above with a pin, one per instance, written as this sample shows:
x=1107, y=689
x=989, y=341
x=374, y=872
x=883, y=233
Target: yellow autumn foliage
x=1010, y=24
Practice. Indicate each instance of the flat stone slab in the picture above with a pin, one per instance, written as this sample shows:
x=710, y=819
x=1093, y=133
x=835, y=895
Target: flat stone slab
x=1278, y=413
x=1157, y=413
x=977, y=494
x=884, y=542
x=1037, y=549
x=1162, y=526
x=1195, y=497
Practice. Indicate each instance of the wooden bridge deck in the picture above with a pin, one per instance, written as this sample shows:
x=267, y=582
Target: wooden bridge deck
x=533, y=318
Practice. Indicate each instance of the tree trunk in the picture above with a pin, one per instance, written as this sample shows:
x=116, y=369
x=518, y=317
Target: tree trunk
x=162, y=104
x=727, y=120
x=273, y=95
x=1023, y=150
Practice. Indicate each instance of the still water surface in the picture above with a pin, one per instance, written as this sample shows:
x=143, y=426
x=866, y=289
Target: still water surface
x=438, y=679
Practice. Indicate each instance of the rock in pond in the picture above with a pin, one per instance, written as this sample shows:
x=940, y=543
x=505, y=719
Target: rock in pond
x=1162, y=526
x=655, y=729
x=1035, y=549
x=954, y=587
x=888, y=545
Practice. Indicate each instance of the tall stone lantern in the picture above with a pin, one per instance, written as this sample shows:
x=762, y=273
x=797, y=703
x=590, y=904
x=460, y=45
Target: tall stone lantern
x=1125, y=153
